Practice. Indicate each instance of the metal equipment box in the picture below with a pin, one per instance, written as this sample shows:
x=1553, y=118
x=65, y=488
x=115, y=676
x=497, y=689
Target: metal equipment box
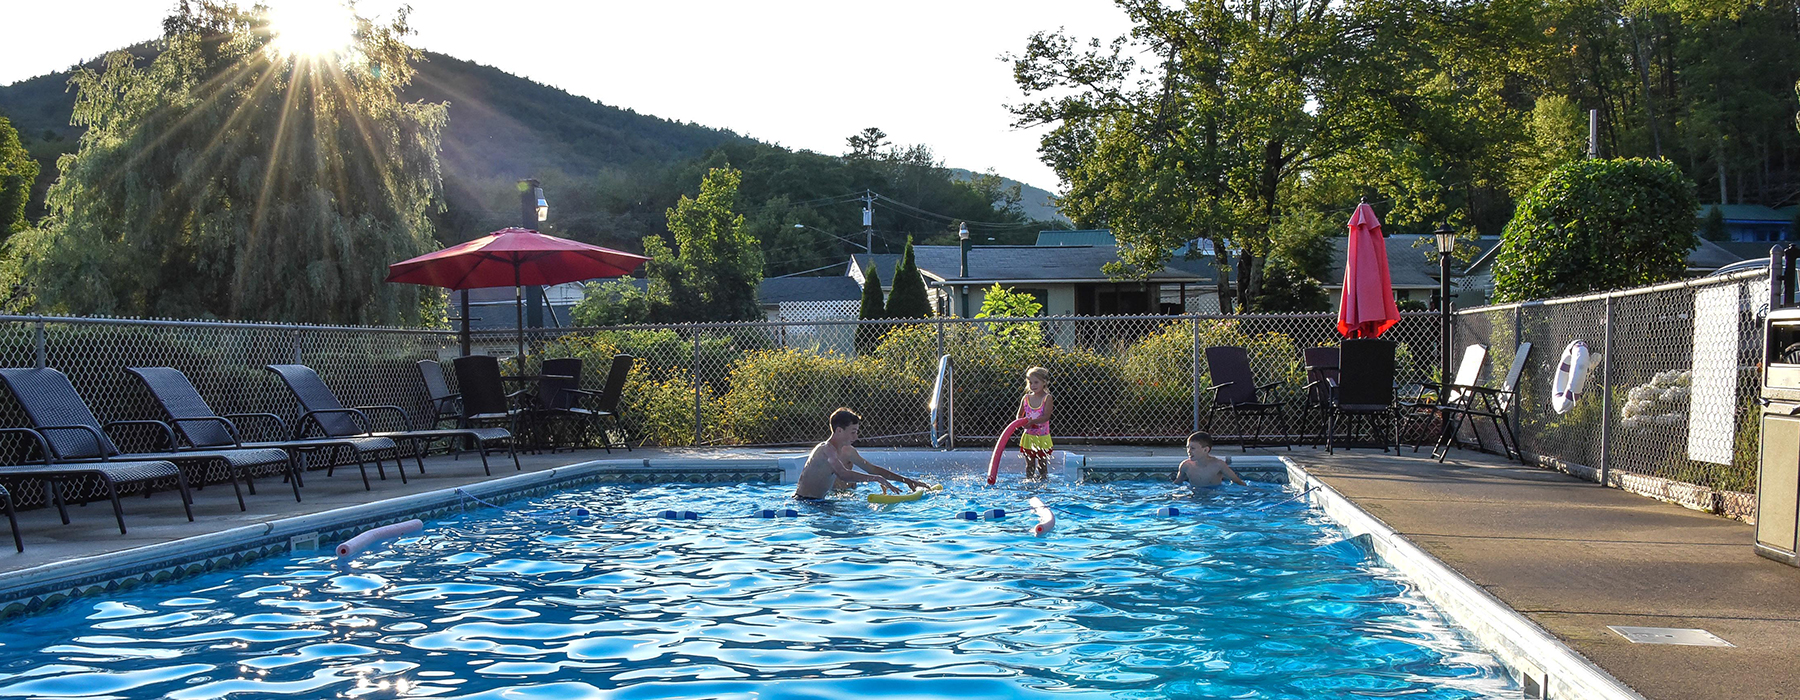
x=1778, y=473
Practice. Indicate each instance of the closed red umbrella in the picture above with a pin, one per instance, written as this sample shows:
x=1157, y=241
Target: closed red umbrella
x=513, y=257
x=1366, y=309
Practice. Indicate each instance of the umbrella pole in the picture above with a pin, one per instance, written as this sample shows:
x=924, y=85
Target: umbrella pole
x=465, y=319
x=519, y=311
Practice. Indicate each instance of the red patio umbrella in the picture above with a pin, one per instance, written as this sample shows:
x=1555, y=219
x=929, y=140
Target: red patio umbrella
x=513, y=257
x=1366, y=309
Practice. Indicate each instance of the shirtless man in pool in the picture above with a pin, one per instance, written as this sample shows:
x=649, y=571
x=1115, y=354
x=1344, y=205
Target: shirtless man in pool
x=830, y=464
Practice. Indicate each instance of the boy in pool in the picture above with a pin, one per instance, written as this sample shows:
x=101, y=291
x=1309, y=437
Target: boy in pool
x=830, y=466
x=1201, y=469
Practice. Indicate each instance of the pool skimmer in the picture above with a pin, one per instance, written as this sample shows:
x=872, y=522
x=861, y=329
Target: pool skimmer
x=1670, y=635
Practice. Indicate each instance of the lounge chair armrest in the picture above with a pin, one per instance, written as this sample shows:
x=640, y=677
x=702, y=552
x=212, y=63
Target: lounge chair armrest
x=1270, y=385
x=281, y=427
x=98, y=437
x=36, y=437
x=168, y=433
x=1217, y=387
x=405, y=418
x=230, y=428
x=362, y=421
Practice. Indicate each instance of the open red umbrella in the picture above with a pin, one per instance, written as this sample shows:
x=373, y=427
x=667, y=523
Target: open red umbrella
x=1366, y=309
x=513, y=257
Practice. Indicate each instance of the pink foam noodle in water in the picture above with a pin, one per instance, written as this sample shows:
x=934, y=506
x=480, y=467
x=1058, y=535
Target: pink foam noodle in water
x=361, y=542
x=1046, y=518
x=1000, y=447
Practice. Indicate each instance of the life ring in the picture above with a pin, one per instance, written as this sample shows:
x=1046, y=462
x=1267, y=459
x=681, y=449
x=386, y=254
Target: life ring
x=1571, y=374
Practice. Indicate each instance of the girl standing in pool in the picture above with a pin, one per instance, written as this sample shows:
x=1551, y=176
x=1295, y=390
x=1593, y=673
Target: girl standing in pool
x=1036, y=406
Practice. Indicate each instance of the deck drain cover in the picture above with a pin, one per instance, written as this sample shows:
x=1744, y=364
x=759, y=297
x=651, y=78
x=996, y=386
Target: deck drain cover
x=1670, y=635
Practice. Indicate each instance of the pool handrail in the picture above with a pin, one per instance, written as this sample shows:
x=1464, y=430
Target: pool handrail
x=942, y=399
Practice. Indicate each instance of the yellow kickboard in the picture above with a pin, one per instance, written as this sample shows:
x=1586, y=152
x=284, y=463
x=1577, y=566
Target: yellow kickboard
x=917, y=493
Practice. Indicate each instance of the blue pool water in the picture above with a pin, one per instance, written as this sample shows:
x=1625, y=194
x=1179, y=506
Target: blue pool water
x=1233, y=598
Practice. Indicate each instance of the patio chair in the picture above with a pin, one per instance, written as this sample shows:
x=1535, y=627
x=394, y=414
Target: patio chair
x=1494, y=404
x=74, y=435
x=445, y=405
x=1321, y=373
x=1429, y=402
x=563, y=398
x=1365, y=389
x=325, y=414
x=196, y=423
x=484, y=400
x=1236, y=391
x=113, y=475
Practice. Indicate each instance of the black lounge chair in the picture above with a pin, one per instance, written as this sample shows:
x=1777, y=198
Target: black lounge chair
x=111, y=474
x=1236, y=392
x=1365, y=388
x=446, y=405
x=196, y=423
x=12, y=519
x=325, y=414
x=560, y=395
x=74, y=435
x=1495, y=404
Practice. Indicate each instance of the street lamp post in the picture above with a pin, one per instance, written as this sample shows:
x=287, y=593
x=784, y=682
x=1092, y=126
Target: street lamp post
x=962, y=236
x=533, y=210
x=1446, y=243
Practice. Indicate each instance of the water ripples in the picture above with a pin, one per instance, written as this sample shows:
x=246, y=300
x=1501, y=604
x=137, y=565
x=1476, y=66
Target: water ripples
x=897, y=601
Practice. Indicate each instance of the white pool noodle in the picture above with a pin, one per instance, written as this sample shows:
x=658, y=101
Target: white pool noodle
x=369, y=537
x=1046, y=518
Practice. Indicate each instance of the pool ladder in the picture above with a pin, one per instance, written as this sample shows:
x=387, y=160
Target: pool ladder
x=943, y=396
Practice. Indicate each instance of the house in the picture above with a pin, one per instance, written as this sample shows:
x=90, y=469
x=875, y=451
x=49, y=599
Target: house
x=1412, y=266
x=1066, y=279
x=1750, y=222
x=1476, y=286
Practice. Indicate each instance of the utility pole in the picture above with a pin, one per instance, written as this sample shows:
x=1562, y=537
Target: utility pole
x=869, y=221
x=1593, y=133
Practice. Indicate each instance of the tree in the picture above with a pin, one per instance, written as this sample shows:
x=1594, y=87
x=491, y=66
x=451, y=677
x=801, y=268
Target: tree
x=866, y=145
x=713, y=272
x=867, y=336
x=1000, y=302
x=908, y=300
x=1287, y=289
x=1713, y=228
x=1594, y=225
x=226, y=179
x=17, y=174
x=1243, y=99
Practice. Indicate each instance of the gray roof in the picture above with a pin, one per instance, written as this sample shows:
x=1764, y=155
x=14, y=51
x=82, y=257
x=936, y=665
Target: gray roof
x=1082, y=237
x=1025, y=264
x=1409, y=267
x=834, y=288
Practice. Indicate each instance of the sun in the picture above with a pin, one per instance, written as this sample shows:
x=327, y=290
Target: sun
x=310, y=27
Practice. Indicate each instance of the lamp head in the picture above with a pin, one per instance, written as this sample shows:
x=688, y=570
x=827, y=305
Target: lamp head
x=1446, y=238
x=962, y=231
x=543, y=207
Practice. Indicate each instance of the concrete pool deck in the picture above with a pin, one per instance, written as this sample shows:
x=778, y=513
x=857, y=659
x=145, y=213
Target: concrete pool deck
x=1568, y=554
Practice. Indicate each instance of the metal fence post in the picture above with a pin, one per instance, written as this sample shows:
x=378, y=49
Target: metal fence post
x=42, y=353
x=695, y=372
x=939, y=321
x=1606, y=358
x=296, y=336
x=1194, y=358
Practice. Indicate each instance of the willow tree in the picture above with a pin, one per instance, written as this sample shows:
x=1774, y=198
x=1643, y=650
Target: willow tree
x=17, y=172
x=231, y=178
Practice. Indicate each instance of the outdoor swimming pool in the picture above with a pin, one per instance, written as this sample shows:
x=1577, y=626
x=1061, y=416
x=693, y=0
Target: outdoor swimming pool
x=1233, y=598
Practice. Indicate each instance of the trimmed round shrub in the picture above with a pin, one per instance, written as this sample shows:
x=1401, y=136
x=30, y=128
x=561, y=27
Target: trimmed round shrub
x=1594, y=225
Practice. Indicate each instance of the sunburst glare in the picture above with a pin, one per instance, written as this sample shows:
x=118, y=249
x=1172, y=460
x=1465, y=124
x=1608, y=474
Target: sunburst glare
x=310, y=28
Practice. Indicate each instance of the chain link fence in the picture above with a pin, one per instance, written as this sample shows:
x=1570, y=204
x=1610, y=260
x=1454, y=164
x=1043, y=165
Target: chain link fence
x=1671, y=391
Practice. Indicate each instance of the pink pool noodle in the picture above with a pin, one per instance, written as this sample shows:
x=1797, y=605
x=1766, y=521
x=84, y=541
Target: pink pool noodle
x=362, y=541
x=1046, y=518
x=1000, y=446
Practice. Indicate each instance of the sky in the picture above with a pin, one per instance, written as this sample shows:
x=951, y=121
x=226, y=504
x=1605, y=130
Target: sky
x=805, y=74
